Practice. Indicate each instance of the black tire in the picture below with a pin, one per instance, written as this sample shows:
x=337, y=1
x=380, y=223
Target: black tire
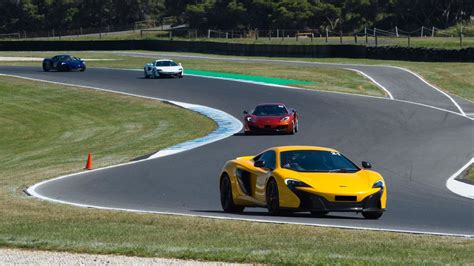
x=297, y=126
x=227, y=201
x=83, y=69
x=373, y=215
x=46, y=66
x=180, y=75
x=293, y=130
x=319, y=213
x=272, y=197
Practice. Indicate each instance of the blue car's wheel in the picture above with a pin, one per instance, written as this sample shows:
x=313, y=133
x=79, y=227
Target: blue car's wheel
x=83, y=69
x=46, y=66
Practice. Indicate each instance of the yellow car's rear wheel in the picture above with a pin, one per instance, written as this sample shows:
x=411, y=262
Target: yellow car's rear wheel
x=227, y=200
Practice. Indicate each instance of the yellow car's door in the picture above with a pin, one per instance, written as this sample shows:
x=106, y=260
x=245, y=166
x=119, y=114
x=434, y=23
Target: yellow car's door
x=264, y=164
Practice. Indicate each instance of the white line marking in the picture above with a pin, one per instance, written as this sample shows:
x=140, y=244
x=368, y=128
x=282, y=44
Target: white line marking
x=432, y=86
x=311, y=63
x=373, y=80
x=312, y=90
x=32, y=190
x=458, y=187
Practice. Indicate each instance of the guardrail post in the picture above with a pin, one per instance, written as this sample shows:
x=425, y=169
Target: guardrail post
x=256, y=34
x=270, y=35
x=376, y=41
x=312, y=36
x=209, y=33
x=355, y=37
x=53, y=33
x=432, y=32
x=327, y=34
x=297, y=34
x=408, y=40
x=460, y=39
x=396, y=31
x=171, y=35
x=282, y=35
x=421, y=31
x=366, y=36
x=340, y=37
x=278, y=33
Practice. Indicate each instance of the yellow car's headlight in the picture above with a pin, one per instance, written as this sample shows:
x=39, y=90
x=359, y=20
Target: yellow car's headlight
x=379, y=184
x=295, y=183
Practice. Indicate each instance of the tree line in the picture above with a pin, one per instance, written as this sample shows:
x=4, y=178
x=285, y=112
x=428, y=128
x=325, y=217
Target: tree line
x=344, y=15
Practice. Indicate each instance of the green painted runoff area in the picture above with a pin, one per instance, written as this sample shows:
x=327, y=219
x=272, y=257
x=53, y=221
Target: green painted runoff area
x=259, y=79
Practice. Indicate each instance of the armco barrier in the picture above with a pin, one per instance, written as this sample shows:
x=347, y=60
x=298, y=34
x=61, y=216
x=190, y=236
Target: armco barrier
x=345, y=51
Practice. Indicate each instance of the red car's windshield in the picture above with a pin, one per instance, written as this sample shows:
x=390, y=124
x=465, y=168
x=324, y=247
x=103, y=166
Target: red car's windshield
x=270, y=110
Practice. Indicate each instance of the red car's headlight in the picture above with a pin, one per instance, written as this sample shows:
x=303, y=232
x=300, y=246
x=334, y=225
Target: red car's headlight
x=284, y=119
x=249, y=119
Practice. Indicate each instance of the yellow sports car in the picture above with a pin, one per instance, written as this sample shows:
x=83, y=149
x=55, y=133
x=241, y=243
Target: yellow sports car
x=302, y=178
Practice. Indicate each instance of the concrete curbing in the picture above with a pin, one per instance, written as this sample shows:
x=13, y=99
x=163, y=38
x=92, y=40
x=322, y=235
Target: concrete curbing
x=458, y=187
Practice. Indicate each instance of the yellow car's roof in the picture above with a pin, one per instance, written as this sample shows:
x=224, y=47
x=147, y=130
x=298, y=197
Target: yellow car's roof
x=291, y=148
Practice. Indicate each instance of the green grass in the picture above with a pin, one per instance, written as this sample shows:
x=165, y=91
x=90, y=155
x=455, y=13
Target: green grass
x=470, y=173
x=47, y=131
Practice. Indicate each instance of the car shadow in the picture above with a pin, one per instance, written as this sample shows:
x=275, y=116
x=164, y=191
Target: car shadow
x=284, y=214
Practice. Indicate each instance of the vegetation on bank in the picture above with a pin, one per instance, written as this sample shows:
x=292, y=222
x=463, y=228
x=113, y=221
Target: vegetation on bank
x=339, y=15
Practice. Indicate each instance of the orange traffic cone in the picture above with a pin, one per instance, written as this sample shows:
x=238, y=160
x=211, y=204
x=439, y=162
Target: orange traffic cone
x=89, y=162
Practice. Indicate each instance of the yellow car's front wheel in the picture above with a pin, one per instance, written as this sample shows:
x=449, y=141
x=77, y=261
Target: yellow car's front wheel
x=272, y=197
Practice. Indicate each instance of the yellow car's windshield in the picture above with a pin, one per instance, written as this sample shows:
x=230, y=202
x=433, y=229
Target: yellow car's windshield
x=316, y=161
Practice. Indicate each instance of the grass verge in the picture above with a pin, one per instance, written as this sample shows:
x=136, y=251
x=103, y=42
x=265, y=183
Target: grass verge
x=469, y=173
x=68, y=122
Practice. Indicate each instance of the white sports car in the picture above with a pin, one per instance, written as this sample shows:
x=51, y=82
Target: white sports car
x=163, y=68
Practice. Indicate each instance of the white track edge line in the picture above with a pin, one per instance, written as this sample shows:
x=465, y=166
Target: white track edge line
x=311, y=90
x=373, y=80
x=316, y=63
x=33, y=193
x=32, y=190
x=458, y=187
x=434, y=87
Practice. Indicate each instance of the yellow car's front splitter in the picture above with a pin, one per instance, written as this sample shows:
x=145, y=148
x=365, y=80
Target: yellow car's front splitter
x=310, y=201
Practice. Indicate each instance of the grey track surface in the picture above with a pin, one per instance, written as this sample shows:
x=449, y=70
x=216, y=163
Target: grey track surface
x=416, y=148
x=402, y=84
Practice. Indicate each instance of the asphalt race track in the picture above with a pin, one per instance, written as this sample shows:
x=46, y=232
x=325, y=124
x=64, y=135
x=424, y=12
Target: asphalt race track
x=416, y=148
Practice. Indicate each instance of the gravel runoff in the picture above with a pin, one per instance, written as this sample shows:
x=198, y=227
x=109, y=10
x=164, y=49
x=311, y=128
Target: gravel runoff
x=33, y=257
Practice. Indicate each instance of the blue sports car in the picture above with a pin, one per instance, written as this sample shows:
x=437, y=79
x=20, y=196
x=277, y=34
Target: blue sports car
x=63, y=63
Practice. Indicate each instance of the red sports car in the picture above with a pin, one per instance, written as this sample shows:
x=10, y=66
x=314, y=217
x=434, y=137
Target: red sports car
x=271, y=117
